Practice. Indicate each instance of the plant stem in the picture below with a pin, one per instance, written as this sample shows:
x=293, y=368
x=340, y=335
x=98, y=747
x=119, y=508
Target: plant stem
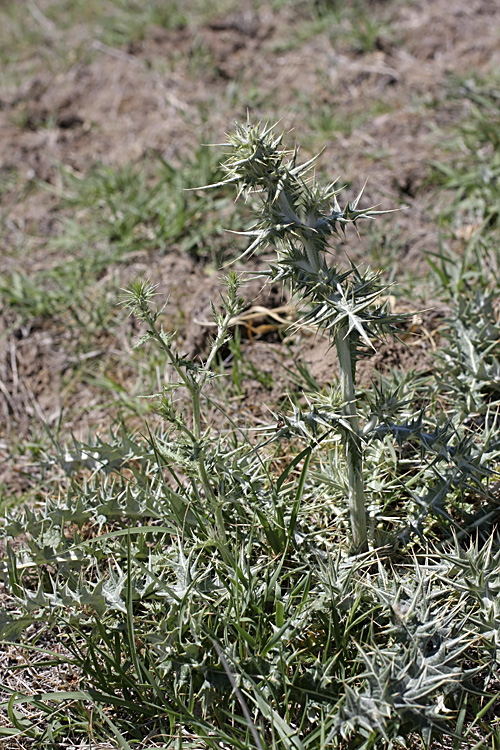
x=195, y=393
x=194, y=390
x=354, y=458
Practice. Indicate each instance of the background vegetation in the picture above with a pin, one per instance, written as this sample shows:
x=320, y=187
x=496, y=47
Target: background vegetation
x=177, y=560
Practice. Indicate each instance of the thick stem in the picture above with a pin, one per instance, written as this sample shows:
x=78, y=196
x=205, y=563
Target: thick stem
x=312, y=254
x=290, y=215
x=353, y=452
x=286, y=208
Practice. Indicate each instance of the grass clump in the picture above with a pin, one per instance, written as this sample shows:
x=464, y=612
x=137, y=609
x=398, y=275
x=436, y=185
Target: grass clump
x=331, y=585
x=473, y=173
x=139, y=209
x=144, y=207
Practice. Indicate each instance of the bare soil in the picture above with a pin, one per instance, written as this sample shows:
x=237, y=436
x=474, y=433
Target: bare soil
x=163, y=93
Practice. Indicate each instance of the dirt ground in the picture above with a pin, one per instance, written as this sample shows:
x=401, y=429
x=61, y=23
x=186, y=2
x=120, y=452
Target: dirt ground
x=384, y=111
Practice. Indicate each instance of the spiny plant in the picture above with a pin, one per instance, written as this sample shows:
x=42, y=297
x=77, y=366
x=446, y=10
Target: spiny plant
x=299, y=219
x=194, y=379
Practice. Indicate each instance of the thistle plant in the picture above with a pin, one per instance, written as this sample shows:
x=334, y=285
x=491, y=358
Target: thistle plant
x=300, y=218
x=191, y=376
